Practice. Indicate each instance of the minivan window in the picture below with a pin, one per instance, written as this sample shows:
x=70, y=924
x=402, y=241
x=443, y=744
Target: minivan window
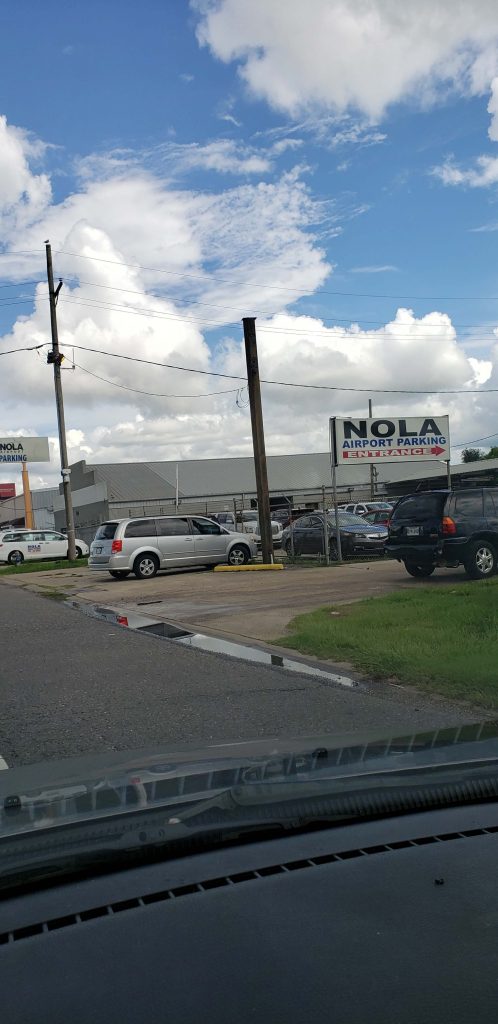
x=141, y=528
x=419, y=506
x=106, y=531
x=468, y=505
x=172, y=527
x=205, y=526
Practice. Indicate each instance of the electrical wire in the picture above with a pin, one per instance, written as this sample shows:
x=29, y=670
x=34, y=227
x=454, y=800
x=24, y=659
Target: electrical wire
x=333, y=321
x=160, y=315
x=463, y=444
x=288, y=384
x=283, y=288
x=263, y=312
x=31, y=348
x=152, y=394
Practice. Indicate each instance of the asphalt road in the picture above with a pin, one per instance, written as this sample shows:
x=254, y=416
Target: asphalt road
x=70, y=685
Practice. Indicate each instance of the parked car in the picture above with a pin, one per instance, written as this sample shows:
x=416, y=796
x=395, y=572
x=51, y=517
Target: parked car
x=360, y=508
x=18, y=546
x=357, y=537
x=277, y=533
x=226, y=519
x=249, y=523
x=380, y=518
x=446, y=528
x=143, y=546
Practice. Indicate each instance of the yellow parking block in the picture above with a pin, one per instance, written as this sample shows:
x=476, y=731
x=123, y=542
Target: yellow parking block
x=248, y=568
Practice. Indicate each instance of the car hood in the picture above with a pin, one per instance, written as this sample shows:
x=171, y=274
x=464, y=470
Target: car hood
x=47, y=795
x=367, y=528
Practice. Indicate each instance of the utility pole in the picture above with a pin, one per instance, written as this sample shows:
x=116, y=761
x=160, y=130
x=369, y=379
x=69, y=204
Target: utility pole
x=258, y=438
x=372, y=468
x=56, y=358
x=28, y=504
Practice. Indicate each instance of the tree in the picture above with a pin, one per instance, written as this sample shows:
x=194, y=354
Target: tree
x=471, y=455
x=493, y=453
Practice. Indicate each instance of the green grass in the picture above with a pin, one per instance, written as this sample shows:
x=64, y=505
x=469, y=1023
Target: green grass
x=60, y=563
x=441, y=639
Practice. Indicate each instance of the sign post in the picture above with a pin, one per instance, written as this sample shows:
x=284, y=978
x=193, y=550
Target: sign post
x=333, y=464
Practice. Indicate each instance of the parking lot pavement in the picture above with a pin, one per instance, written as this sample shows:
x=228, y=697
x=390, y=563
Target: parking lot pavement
x=70, y=684
x=255, y=605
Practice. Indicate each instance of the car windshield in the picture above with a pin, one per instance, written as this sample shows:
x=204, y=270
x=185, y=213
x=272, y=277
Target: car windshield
x=348, y=519
x=248, y=485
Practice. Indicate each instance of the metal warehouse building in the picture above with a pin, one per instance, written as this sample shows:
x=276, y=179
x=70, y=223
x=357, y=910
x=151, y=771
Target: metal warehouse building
x=108, y=490
x=208, y=485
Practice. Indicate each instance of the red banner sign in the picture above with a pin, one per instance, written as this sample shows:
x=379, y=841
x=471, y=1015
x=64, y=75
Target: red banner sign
x=7, y=491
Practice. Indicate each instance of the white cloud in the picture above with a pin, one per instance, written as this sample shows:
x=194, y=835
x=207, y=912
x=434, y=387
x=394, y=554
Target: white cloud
x=365, y=56
x=23, y=194
x=246, y=250
x=231, y=120
x=381, y=269
x=186, y=77
x=484, y=174
x=493, y=110
x=222, y=155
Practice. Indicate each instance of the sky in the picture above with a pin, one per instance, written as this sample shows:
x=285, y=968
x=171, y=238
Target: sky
x=330, y=168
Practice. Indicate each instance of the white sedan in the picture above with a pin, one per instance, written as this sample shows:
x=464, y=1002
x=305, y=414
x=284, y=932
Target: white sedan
x=18, y=546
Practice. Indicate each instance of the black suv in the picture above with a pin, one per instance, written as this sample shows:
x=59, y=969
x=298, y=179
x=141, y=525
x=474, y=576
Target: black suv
x=446, y=528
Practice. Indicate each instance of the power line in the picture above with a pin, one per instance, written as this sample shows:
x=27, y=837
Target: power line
x=152, y=394
x=264, y=312
x=31, y=348
x=283, y=288
x=476, y=440
x=348, y=335
x=288, y=384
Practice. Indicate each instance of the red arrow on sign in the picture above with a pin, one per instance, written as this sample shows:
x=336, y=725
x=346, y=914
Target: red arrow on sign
x=379, y=453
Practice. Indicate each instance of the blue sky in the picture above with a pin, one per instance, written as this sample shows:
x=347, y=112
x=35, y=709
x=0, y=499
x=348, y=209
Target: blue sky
x=275, y=162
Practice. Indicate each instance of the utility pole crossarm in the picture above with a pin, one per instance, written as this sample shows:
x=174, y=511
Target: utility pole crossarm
x=56, y=359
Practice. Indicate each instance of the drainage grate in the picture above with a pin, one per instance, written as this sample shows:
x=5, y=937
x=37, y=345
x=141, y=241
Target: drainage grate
x=137, y=902
x=164, y=629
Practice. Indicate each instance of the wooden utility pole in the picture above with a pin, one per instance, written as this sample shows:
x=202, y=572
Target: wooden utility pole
x=56, y=358
x=372, y=468
x=258, y=438
x=28, y=504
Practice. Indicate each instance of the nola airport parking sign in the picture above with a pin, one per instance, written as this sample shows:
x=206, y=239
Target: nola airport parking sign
x=413, y=439
x=24, y=449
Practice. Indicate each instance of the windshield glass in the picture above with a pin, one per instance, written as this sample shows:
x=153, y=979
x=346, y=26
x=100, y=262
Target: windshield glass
x=423, y=506
x=106, y=531
x=247, y=254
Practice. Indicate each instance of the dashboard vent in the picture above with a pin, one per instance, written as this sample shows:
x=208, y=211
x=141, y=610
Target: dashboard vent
x=136, y=903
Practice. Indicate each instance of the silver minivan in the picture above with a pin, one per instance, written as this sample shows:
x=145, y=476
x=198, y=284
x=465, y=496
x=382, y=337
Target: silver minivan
x=144, y=546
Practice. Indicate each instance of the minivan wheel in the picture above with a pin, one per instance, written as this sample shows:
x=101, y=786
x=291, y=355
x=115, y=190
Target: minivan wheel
x=239, y=555
x=145, y=566
x=16, y=557
x=480, y=562
x=419, y=571
x=120, y=574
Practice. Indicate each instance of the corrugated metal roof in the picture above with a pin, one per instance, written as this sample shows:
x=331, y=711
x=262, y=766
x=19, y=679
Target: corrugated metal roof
x=131, y=480
x=286, y=474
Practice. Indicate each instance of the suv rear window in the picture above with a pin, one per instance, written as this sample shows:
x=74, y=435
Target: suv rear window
x=419, y=506
x=468, y=505
x=106, y=531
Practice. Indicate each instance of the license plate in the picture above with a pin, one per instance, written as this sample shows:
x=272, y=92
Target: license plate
x=97, y=551
x=413, y=531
